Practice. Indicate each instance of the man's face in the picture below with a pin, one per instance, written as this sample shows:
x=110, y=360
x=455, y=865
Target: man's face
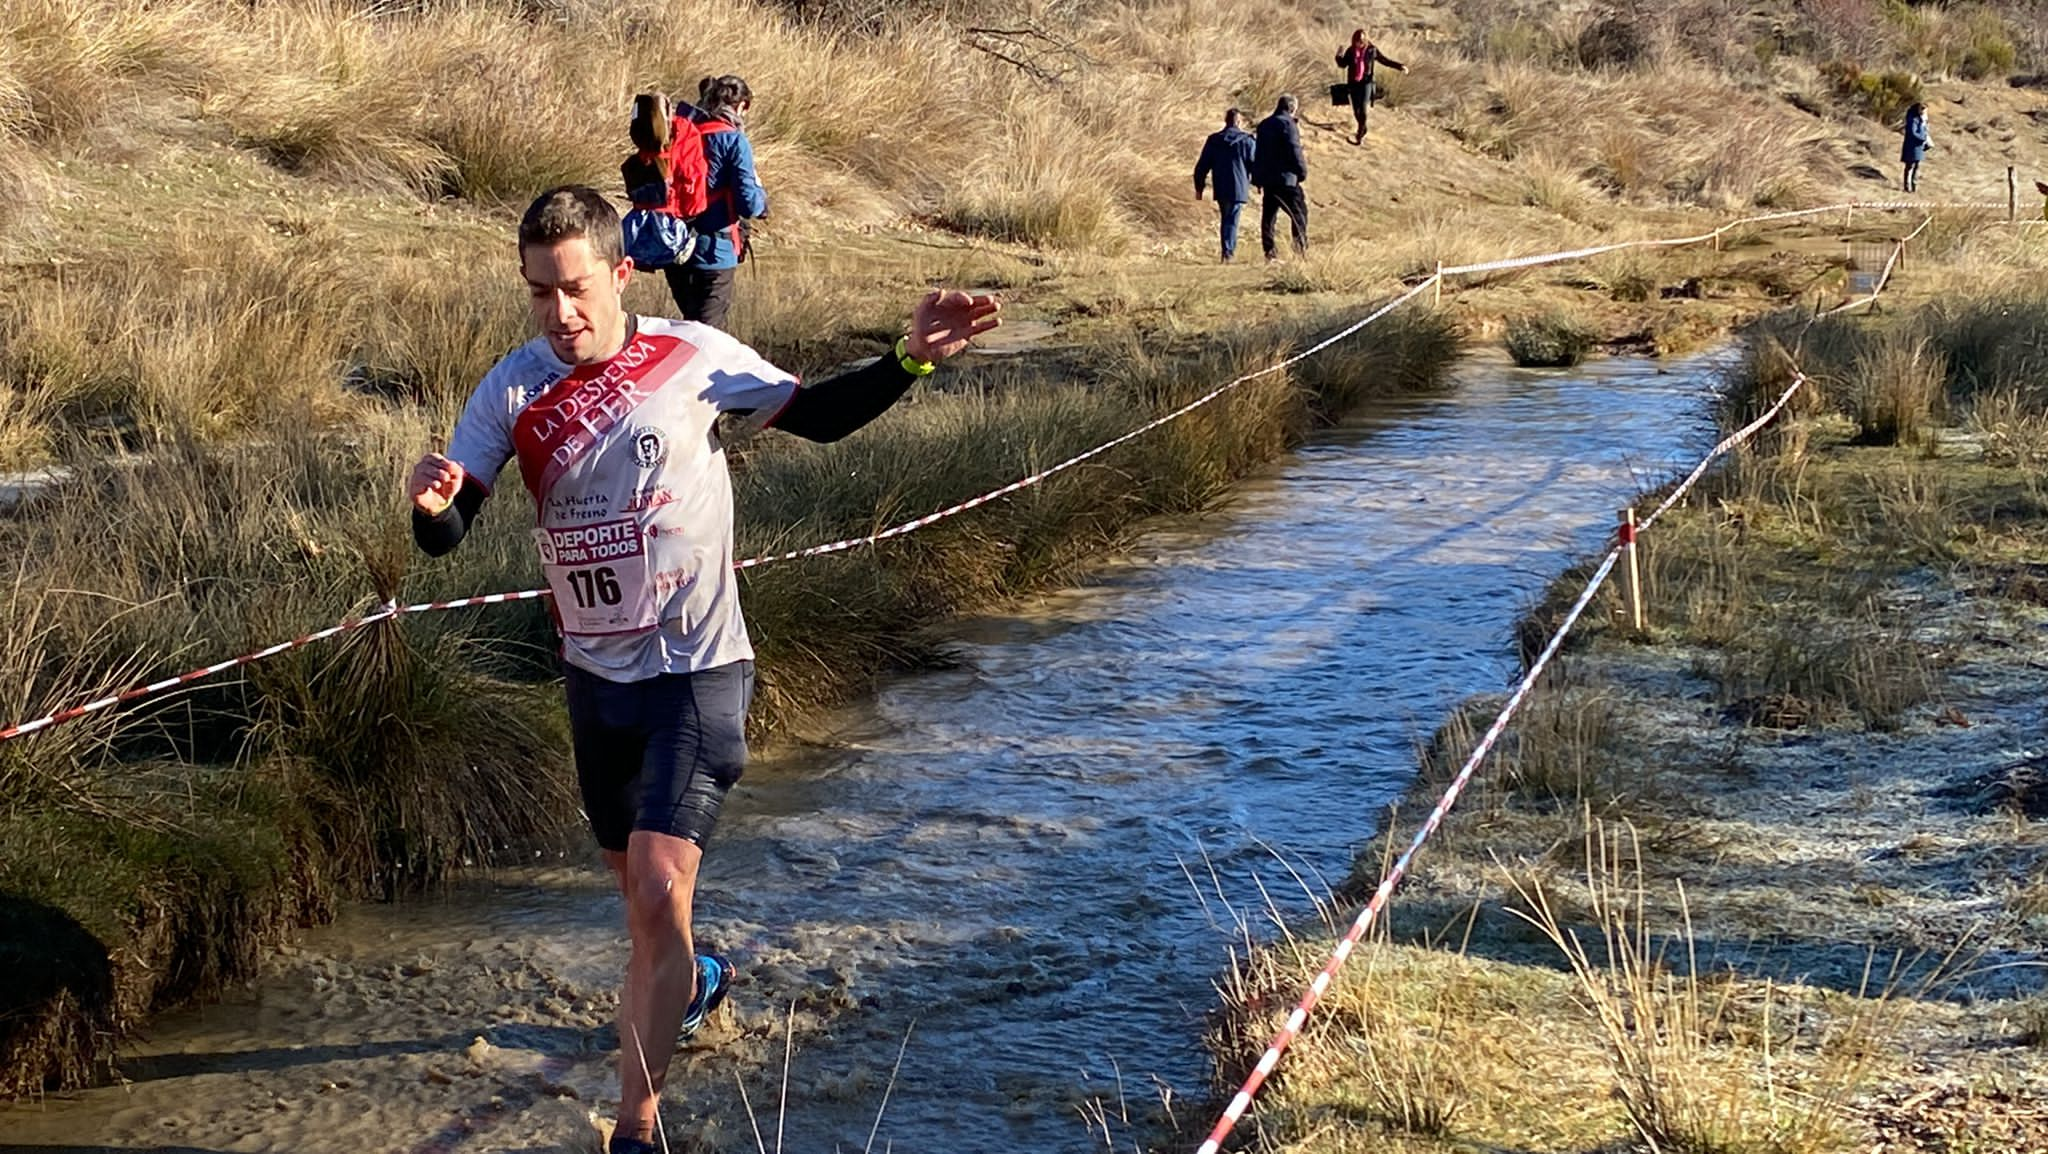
x=576, y=295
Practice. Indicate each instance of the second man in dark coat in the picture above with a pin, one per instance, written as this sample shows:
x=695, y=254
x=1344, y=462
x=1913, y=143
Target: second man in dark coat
x=1279, y=170
x=1227, y=156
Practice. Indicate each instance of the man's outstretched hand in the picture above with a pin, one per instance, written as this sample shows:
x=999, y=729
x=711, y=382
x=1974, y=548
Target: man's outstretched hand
x=435, y=481
x=945, y=321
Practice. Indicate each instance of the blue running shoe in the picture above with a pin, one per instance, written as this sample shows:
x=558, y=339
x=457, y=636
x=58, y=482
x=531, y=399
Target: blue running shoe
x=714, y=981
x=620, y=1144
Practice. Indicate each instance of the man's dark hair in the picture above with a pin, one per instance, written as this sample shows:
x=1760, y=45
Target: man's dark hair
x=1286, y=106
x=1230, y=117
x=569, y=212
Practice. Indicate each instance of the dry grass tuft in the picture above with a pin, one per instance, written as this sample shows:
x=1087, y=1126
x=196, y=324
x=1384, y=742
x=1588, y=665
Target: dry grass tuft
x=2032, y=1020
x=1553, y=339
x=1898, y=389
x=1556, y=184
x=1698, y=1066
x=2015, y=433
x=1348, y=266
x=1414, y=1078
x=1561, y=746
x=1786, y=670
x=1630, y=275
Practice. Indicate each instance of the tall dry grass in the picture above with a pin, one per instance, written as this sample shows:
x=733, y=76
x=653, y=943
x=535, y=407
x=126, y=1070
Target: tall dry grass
x=1700, y=1065
x=1681, y=134
x=1971, y=40
x=1894, y=379
x=480, y=101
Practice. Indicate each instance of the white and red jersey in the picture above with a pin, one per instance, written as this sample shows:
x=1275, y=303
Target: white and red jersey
x=626, y=469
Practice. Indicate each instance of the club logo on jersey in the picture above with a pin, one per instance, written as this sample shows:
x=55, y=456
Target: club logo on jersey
x=650, y=446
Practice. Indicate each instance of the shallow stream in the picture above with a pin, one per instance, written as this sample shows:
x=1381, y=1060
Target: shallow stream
x=1040, y=857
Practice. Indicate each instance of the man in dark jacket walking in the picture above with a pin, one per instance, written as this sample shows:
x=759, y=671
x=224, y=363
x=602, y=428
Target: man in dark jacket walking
x=1228, y=156
x=1279, y=168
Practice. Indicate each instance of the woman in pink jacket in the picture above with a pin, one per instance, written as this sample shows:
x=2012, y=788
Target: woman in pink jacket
x=1357, y=61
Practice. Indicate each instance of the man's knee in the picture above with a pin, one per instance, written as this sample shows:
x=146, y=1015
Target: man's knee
x=661, y=880
x=655, y=902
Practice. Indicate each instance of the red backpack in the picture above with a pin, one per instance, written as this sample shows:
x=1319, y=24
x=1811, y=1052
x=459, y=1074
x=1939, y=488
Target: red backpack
x=689, y=180
x=679, y=182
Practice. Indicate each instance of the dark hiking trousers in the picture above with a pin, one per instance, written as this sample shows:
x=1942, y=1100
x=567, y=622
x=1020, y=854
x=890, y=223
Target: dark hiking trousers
x=1361, y=103
x=1294, y=202
x=703, y=294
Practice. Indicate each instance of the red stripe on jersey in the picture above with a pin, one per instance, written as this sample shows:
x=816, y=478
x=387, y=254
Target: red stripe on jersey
x=568, y=420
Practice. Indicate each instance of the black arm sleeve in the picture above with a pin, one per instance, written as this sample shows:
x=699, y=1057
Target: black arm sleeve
x=438, y=534
x=836, y=406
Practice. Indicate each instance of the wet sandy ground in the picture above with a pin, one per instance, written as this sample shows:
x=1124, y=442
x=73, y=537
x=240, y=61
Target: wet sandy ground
x=1034, y=864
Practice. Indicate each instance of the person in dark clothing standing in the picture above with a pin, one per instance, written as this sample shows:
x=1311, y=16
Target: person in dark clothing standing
x=1228, y=156
x=1358, y=61
x=1279, y=168
x=703, y=284
x=1913, y=149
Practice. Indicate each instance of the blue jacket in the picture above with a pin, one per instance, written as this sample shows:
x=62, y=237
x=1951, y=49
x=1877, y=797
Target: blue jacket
x=1913, y=148
x=1229, y=156
x=1281, y=162
x=736, y=195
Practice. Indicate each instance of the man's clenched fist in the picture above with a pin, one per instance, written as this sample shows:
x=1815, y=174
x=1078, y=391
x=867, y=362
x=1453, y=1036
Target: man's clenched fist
x=435, y=481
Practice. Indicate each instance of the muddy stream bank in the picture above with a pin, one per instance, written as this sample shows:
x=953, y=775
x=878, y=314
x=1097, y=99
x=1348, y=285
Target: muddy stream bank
x=1039, y=857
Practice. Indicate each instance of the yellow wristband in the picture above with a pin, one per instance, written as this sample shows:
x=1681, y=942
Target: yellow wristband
x=912, y=365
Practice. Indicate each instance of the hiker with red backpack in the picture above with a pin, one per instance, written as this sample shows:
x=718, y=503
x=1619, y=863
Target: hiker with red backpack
x=657, y=229
x=693, y=167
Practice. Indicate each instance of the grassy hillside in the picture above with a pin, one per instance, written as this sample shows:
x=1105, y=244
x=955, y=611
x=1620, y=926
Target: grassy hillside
x=258, y=254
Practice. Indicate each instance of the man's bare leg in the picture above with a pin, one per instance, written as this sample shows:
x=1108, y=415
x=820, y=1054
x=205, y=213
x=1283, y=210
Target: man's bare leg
x=658, y=876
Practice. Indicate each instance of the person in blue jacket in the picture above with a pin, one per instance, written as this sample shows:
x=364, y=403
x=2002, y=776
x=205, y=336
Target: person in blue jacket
x=1228, y=156
x=703, y=284
x=1913, y=148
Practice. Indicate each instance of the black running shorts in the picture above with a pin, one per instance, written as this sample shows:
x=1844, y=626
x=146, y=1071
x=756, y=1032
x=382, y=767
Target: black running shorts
x=658, y=754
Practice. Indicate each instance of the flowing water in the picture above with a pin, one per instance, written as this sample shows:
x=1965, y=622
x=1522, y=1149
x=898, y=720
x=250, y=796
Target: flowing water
x=1025, y=871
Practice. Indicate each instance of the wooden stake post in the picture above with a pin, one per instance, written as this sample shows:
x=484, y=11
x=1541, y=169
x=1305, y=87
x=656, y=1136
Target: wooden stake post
x=2012, y=194
x=1631, y=573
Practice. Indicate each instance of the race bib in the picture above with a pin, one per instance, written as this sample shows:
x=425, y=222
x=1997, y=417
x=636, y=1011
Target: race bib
x=599, y=574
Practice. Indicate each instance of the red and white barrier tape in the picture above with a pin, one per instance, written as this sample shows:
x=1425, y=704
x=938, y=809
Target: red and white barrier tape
x=1363, y=923
x=1521, y=262
x=384, y=613
x=1026, y=482
x=141, y=691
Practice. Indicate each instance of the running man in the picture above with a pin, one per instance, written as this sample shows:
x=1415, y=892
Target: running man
x=612, y=418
